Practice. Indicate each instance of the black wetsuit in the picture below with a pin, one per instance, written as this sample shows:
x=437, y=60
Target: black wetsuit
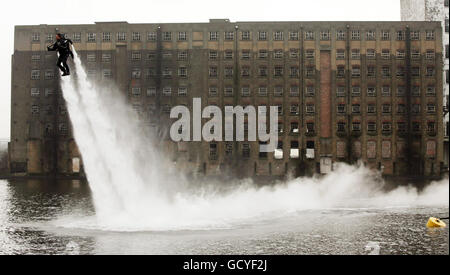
x=63, y=47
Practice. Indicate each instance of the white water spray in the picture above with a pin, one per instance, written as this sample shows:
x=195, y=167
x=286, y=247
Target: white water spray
x=135, y=188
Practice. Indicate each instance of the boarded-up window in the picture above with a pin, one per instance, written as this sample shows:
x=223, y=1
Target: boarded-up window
x=357, y=149
x=386, y=149
x=400, y=149
x=340, y=149
x=431, y=148
x=371, y=149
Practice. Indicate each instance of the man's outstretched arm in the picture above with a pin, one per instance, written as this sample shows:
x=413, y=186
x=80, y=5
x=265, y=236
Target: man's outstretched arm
x=51, y=47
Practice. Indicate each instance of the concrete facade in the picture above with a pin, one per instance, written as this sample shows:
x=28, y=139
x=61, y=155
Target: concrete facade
x=347, y=91
x=434, y=10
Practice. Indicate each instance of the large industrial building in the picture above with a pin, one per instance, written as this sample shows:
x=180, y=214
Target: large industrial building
x=345, y=91
x=434, y=10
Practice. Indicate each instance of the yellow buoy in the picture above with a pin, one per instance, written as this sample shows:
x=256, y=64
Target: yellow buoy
x=435, y=222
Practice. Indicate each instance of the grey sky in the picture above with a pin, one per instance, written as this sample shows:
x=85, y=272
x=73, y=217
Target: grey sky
x=145, y=11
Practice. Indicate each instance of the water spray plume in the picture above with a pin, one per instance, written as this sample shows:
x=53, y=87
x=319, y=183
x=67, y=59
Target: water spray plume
x=135, y=187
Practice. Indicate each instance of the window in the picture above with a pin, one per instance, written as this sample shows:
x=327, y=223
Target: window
x=278, y=71
x=415, y=35
x=310, y=108
x=341, y=127
x=309, y=128
x=356, y=91
x=167, y=91
x=213, y=71
x=371, y=71
x=401, y=127
x=280, y=109
x=35, y=37
x=429, y=35
x=167, y=55
x=430, y=55
x=182, y=71
x=371, y=54
x=400, y=35
x=371, y=109
x=136, y=73
x=213, y=55
x=309, y=35
x=401, y=108
x=340, y=71
x=245, y=71
x=135, y=56
x=356, y=108
x=228, y=91
x=106, y=57
x=262, y=91
x=228, y=72
x=294, y=110
x=325, y=35
x=356, y=35
x=91, y=37
x=245, y=35
x=35, y=57
x=415, y=90
x=415, y=108
x=35, y=92
x=91, y=57
x=106, y=37
x=278, y=54
x=431, y=127
x=293, y=53
x=430, y=72
x=371, y=91
x=356, y=54
x=310, y=91
x=294, y=91
x=431, y=91
x=370, y=35
x=310, y=71
x=262, y=54
x=262, y=71
x=293, y=35
x=49, y=74
x=35, y=74
x=294, y=72
x=356, y=71
x=77, y=37
x=151, y=91
x=371, y=126
x=136, y=36
x=400, y=54
x=245, y=54
x=386, y=91
x=341, y=108
x=431, y=108
x=167, y=72
x=229, y=35
x=213, y=91
x=400, y=71
x=415, y=71
x=340, y=91
x=107, y=73
x=213, y=36
x=340, y=35
x=386, y=108
x=182, y=55
x=416, y=126
x=246, y=150
x=245, y=91
x=278, y=36
x=386, y=127
x=167, y=36
x=228, y=149
x=340, y=54
x=309, y=54
x=415, y=54
x=385, y=54
x=278, y=91
x=401, y=91
x=385, y=35
x=182, y=36
x=386, y=71
x=151, y=36
x=182, y=91
x=228, y=55
x=356, y=126
x=136, y=91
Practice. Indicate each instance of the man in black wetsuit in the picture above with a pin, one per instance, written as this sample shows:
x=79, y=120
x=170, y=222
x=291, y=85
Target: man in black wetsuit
x=62, y=45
